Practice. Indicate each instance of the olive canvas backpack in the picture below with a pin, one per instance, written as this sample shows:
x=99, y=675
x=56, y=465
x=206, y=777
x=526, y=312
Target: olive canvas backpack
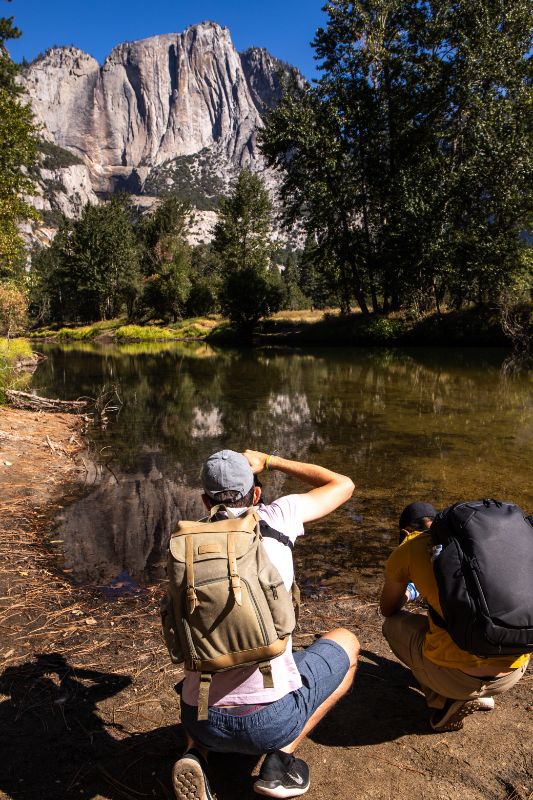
x=226, y=604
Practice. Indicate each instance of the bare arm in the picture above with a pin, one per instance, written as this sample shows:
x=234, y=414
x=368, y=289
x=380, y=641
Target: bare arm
x=393, y=597
x=330, y=490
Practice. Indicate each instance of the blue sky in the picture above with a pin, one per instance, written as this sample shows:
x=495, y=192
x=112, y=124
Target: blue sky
x=284, y=27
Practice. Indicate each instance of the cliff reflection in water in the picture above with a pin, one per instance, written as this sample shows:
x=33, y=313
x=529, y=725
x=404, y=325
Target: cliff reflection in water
x=117, y=535
x=434, y=424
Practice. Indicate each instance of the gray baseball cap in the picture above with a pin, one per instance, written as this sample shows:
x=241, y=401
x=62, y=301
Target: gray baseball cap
x=225, y=471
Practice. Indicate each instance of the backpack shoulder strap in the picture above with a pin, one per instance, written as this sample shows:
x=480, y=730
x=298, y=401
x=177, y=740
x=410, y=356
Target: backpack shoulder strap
x=271, y=533
x=436, y=618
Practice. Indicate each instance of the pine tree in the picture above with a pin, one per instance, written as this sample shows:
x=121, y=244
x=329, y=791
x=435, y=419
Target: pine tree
x=242, y=241
x=166, y=259
x=91, y=269
x=18, y=152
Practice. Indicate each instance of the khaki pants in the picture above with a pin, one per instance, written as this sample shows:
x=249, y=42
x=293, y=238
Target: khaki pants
x=405, y=634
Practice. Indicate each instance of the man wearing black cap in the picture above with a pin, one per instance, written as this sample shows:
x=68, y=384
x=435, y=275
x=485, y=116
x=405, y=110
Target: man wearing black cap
x=455, y=683
x=244, y=717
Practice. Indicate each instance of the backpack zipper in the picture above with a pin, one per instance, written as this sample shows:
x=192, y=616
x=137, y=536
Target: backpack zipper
x=252, y=598
x=257, y=612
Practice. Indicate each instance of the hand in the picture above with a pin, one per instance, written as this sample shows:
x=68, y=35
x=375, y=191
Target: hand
x=256, y=460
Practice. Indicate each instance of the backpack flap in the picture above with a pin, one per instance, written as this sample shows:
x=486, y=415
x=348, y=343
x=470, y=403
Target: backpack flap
x=484, y=576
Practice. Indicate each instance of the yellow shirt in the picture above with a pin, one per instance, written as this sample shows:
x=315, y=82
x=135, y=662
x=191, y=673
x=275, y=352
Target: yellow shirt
x=411, y=561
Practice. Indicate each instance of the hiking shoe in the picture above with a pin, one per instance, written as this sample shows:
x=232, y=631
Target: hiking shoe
x=485, y=703
x=189, y=779
x=282, y=775
x=450, y=718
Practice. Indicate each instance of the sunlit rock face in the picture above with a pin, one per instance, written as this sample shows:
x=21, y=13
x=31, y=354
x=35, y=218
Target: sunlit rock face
x=154, y=101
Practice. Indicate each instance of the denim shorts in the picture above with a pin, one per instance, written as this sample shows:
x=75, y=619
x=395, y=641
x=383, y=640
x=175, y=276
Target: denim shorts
x=322, y=666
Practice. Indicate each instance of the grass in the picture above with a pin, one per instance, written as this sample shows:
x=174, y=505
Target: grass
x=470, y=326
x=194, y=328
x=143, y=333
x=79, y=333
x=11, y=351
x=327, y=327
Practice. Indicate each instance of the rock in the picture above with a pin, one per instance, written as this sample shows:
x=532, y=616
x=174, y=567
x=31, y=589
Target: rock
x=173, y=113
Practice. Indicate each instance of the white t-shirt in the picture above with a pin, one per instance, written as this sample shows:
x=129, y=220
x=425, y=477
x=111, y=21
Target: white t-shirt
x=244, y=685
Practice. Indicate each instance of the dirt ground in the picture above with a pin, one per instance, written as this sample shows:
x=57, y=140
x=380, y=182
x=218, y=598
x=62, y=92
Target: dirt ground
x=87, y=706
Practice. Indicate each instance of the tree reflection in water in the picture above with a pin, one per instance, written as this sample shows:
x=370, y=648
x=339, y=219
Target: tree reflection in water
x=438, y=424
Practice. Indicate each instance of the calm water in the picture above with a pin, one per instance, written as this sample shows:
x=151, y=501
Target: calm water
x=440, y=425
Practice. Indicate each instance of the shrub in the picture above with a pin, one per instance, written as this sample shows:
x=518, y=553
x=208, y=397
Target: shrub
x=13, y=309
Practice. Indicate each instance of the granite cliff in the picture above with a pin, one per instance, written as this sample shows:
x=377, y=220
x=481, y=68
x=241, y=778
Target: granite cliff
x=172, y=113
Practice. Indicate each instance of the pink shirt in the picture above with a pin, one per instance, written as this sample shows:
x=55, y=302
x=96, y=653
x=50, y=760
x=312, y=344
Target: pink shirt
x=244, y=685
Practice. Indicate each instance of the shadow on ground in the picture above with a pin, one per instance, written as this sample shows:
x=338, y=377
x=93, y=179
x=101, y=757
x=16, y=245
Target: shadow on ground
x=56, y=743
x=384, y=704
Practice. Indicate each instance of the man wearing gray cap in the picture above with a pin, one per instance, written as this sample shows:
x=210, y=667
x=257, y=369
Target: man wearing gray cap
x=244, y=717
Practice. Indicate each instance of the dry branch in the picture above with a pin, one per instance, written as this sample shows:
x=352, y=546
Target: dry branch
x=34, y=402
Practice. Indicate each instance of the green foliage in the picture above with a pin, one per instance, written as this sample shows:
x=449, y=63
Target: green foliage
x=294, y=298
x=205, y=282
x=91, y=269
x=247, y=295
x=165, y=260
x=13, y=309
x=202, y=298
x=18, y=151
x=192, y=179
x=242, y=234
x=242, y=241
x=55, y=157
x=11, y=352
x=410, y=161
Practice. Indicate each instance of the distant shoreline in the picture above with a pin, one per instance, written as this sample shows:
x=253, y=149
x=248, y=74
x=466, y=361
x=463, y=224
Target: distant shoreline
x=473, y=327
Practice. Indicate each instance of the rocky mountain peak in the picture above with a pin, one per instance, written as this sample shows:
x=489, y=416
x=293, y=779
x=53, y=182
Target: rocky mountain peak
x=173, y=113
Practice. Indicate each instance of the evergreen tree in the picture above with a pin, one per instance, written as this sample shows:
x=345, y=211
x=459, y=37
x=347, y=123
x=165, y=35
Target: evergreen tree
x=91, y=270
x=242, y=234
x=205, y=281
x=294, y=296
x=18, y=152
x=242, y=241
x=166, y=259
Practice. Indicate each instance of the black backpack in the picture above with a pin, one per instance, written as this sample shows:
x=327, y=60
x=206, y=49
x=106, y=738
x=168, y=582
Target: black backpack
x=484, y=575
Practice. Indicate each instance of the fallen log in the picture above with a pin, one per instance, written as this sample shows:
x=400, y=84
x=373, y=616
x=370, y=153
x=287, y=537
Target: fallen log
x=33, y=402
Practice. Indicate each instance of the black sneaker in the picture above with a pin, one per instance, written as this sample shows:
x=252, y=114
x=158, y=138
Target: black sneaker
x=189, y=778
x=450, y=718
x=282, y=775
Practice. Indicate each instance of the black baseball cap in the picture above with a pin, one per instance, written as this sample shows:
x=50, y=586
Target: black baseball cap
x=414, y=511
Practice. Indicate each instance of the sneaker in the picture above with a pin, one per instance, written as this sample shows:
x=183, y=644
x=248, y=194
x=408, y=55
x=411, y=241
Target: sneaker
x=189, y=779
x=450, y=718
x=485, y=703
x=282, y=775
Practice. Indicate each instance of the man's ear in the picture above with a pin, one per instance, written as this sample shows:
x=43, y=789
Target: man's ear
x=206, y=500
x=257, y=495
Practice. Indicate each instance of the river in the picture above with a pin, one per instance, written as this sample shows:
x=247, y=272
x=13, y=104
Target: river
x=434, y=424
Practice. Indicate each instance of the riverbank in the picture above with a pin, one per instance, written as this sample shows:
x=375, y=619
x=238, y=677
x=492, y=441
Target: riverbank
x=87, y=707
x=17, y=360
x=469, y=327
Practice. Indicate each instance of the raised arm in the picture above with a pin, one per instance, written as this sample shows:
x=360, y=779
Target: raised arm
x=330, y=490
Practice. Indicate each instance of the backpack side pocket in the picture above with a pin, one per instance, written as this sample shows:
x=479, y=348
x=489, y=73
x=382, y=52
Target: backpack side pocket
x=170, y=630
